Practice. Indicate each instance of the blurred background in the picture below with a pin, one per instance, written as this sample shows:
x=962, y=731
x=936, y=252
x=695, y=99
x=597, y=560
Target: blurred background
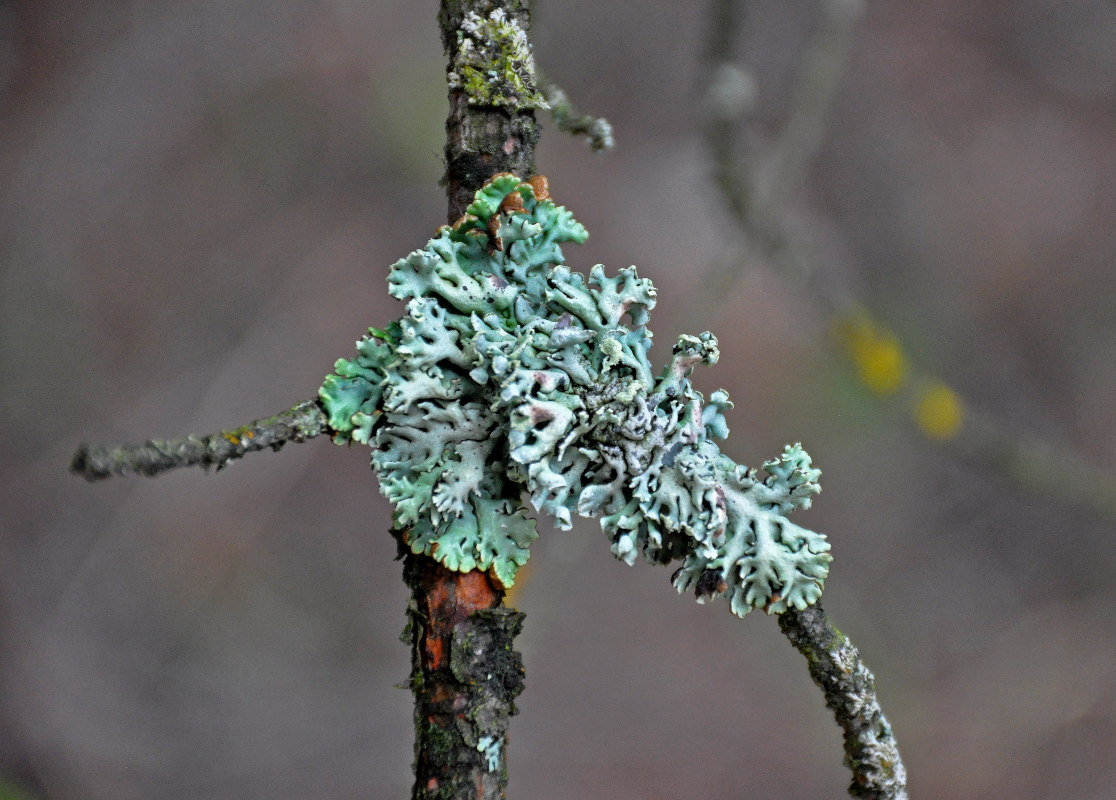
x=198, y=205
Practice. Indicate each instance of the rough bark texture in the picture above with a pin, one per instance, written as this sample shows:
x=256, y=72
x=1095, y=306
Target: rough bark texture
x=465, y=673
x=483, y=140
x=871, y=751
x=465, y=676
x=305, y=421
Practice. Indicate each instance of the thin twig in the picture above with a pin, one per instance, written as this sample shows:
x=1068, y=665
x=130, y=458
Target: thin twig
x=756, y=188
x=871, y=751
x=1057, y=474
x=304, y=421
x=821, y=69
x=568, y=120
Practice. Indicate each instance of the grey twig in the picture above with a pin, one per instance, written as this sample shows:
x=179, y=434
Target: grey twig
x=305, y=421
x=850, y=692
x=567, y=118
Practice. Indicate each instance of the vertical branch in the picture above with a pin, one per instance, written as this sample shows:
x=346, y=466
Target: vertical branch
x=465, y=673
x=465, y=676
x=493, y=95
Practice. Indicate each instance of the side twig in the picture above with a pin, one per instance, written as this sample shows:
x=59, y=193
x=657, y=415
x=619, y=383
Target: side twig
x=304, y=421
x=835, y=665
x=568, y=120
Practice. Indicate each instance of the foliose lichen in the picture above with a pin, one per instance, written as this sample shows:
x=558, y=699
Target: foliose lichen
x=510, y=372
x=493, y=63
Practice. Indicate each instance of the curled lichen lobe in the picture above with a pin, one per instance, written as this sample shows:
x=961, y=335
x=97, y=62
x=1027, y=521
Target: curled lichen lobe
x=509, y=372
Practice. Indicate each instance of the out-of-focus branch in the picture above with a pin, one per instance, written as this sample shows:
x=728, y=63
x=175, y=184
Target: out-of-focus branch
x=835, y=665
x=569, y=120
x=304, y=421
x=1057, y=474
x=756, y=186
x=871, y=752
x=820, y=74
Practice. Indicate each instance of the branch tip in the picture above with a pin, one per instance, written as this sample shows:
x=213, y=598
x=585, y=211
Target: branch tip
x=566, y=117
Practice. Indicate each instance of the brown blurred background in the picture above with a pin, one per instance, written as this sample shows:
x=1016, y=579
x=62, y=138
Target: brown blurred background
x=198, y=204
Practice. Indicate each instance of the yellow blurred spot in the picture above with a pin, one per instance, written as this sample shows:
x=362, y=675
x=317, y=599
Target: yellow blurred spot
x=939, y=411
x=875, y=352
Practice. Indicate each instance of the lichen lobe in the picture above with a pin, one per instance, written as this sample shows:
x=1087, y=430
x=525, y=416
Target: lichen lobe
x=509, y=372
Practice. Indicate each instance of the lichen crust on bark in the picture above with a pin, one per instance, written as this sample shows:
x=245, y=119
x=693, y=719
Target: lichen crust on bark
x=492, y=62
x=871, y=750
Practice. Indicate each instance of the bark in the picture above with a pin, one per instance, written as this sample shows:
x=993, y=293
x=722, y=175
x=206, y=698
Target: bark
x=465, y=673
x=482, y=141
x=465, y=676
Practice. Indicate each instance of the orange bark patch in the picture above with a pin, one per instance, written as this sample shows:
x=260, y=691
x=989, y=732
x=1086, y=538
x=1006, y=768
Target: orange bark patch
x=475, y=591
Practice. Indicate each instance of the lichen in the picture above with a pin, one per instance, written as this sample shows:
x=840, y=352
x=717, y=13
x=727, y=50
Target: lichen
x=490, y=747
x=510, y=372
x=493, y=63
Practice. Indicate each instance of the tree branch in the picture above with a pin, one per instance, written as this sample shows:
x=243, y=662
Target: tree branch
x=465, y=676
x=871, y=751
x=304, y=421
x=569, y=120
x=493, y=95
x=465, y=673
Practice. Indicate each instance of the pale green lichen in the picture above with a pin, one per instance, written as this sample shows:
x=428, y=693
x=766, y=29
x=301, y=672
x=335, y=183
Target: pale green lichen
x=510, y=371
x=490, y=747
x=493, y=63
